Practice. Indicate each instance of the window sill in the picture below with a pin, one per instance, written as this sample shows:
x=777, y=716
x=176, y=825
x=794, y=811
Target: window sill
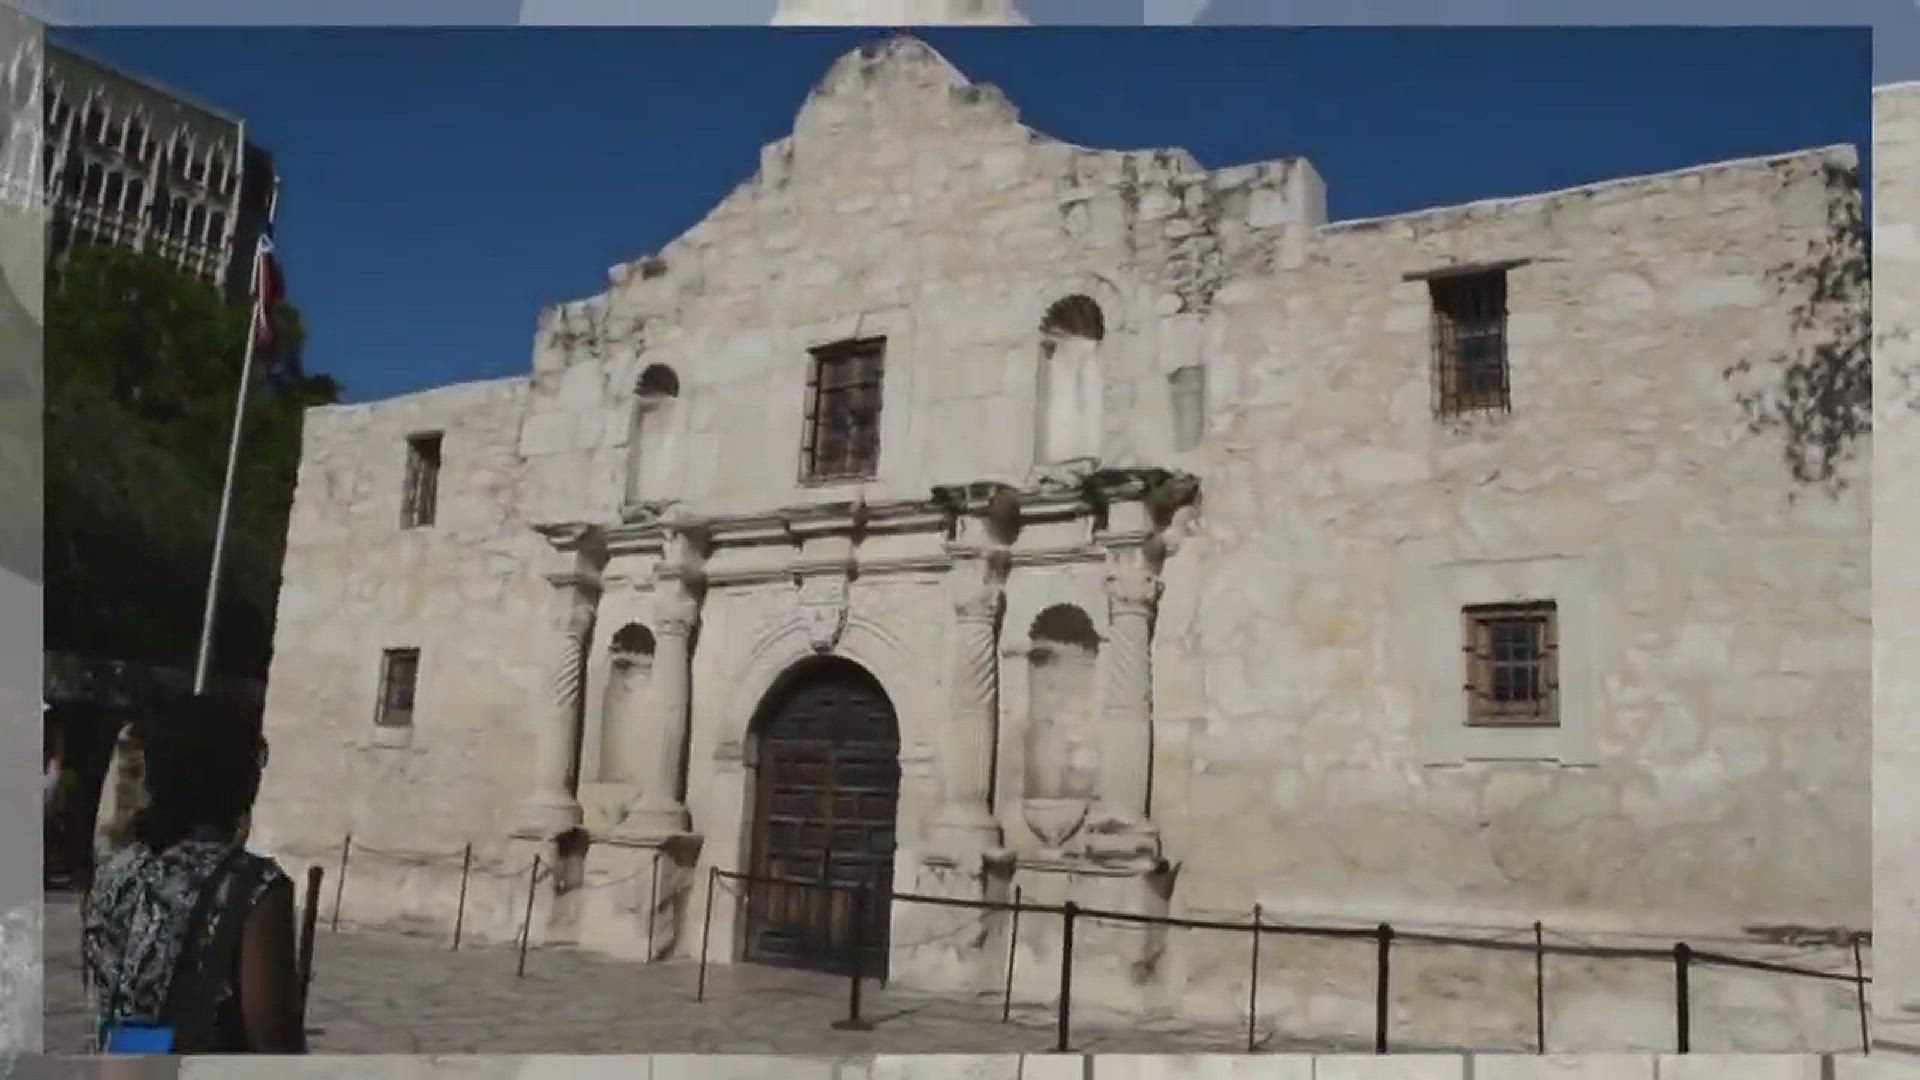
x=391, y=738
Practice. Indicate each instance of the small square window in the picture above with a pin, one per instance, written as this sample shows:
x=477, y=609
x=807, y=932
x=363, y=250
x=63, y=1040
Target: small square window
x=1512, y=665
x=1470, y=343
x=423, y=481
x=842, y=434
x=399, y=678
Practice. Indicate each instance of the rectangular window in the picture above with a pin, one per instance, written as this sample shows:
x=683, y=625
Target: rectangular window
x=423, y=481
x=1512, y=669
x=842, y=435
x=1470, y=342
x=399, y=677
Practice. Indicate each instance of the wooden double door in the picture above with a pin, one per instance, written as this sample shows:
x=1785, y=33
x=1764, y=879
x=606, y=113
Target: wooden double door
x=826, y=792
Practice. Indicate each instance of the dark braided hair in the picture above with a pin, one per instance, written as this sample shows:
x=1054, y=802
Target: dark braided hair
x=204, y=755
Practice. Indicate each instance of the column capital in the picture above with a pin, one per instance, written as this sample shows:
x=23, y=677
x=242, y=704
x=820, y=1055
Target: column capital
x=675, y=613
x=1132, y=589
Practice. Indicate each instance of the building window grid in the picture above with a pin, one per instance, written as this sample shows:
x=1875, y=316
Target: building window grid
x=399, y=679
x=1512, y=665
x=841, y=440
x=421, y=501
x=1470, y=369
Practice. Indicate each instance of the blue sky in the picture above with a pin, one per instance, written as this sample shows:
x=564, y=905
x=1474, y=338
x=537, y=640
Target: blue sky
x=441, y=185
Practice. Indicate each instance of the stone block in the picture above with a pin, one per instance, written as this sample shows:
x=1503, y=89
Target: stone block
x=1563, y=1067
x=1390, y=1067
x=951, y=1067
x=1740, y=1067
x=1202, y=1067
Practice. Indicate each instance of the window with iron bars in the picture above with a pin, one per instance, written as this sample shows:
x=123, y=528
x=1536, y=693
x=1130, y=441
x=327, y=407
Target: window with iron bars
x=418, y=507
x=841, y=441
x=1470, y=343
x=399, y=677
x=1512, y=655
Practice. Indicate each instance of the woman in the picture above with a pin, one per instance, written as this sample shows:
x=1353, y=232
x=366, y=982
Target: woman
x=184, y=929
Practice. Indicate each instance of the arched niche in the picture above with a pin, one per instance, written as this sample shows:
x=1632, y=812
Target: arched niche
x=1062, y=670
x=1072, y=385
x=629, y=669
x=652, y=444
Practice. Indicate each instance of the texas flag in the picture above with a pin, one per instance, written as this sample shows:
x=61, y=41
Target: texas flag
x=268, y=288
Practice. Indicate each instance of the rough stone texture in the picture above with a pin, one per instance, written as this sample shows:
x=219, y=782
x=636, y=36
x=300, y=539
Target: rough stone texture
x=1710, y=777
x=1896, y=606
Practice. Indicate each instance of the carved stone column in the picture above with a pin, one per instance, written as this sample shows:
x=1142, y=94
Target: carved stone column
x=553, y=808
x=1119, y=829
x=659, y=811
x=965, y=826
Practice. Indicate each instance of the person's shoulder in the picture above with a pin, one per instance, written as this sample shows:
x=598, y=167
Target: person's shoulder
x=265, y=869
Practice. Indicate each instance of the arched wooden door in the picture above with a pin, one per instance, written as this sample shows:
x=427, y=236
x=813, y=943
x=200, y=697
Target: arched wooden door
x=826, y=789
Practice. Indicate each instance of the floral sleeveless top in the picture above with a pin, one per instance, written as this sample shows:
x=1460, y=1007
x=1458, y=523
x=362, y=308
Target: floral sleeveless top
x=136, y=918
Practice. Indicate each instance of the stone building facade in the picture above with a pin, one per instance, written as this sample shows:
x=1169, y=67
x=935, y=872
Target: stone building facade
x=959, y=510
x=131, y=164
x=1896, y=535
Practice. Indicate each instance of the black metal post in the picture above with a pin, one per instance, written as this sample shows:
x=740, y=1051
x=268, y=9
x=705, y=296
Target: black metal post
x=460, y=909
x=309, y=919
x=526, y=920
x=1013, y=947
x=1253, y=981
x=1539, y=988
x=1860, y=996
x=340, y=885
x=1384, y=935
x=1682, y=959
x=856, y=962
x=1064, y=1020
x=706, y=929
x=653, y=903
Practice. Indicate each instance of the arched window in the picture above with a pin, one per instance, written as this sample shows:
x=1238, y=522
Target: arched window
x=92, y=180
x=177, y=217
x=629, y=668
x=651, y=446
x=196, y=222
x=1072, y=386
x=113, y=192
x=94, y=127
x=1062, y=663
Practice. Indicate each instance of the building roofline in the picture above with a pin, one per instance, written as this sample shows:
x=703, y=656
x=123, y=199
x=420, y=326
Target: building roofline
x=1601, y=185
x=152, y=84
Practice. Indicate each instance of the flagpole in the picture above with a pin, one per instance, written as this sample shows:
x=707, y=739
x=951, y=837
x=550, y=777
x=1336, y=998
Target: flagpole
x=205, y=656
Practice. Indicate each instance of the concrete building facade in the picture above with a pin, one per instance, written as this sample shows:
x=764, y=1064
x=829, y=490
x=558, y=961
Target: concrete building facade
x=957, y=510
x=131, y=164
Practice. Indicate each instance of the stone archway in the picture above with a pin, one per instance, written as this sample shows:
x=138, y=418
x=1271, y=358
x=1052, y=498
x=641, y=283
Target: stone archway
x=825, y=745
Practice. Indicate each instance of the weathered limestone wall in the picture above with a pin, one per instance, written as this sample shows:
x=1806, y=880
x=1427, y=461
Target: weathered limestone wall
x=465, y=592
x=1896, y=537
x=1711, y=771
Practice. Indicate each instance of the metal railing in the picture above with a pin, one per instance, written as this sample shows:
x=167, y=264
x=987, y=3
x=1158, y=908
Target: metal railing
x=1682, y=956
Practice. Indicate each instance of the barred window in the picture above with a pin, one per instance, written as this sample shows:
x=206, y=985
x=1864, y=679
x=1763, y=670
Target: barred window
x=842, y=434
x=1512, y=658
x=1470, y=342
x=423, y=481
x=399, y=677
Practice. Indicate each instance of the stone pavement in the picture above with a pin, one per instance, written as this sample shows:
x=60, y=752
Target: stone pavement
x=389, y=993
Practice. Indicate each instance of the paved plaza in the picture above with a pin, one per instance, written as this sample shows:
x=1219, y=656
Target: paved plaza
x=379, y=992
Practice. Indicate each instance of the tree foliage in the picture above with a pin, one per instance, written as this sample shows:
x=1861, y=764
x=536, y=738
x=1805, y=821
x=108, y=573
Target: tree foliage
x=142, y=367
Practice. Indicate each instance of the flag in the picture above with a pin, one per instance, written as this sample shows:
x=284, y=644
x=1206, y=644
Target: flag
x=268, y=288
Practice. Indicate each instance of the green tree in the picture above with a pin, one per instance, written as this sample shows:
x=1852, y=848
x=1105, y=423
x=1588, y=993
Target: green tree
x=142, y=364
